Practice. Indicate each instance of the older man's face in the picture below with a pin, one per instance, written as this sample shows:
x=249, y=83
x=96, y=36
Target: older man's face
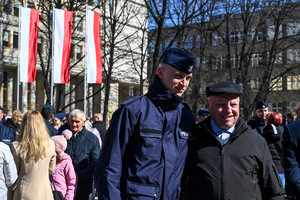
x=76, y=123
x=224, y=109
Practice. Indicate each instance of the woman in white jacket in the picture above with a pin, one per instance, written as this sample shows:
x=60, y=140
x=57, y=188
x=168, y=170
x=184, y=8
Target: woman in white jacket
x=8, y=170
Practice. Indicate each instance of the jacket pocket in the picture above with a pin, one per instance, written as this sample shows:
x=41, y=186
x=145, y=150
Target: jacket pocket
x=142, y=191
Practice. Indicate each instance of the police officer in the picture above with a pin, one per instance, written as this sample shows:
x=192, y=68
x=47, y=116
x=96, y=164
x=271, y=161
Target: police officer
x=261, y=111
x=146, y=144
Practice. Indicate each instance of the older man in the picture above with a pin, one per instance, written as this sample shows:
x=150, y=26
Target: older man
x=84, y=150
x=226, y=159
x=146, y=144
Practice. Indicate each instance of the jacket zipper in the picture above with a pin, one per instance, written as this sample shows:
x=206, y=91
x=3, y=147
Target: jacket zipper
x=222, y=173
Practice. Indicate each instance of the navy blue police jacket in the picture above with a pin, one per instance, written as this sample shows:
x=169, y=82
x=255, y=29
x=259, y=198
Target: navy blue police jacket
x=7, y=134
x=145, y=147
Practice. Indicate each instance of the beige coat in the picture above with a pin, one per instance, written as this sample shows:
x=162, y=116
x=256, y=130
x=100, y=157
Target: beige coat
x=33, y=177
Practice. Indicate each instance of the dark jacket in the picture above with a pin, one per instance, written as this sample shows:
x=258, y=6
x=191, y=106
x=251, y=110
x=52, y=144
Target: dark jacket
x=7, y=134
x=100, y=126
x=257, y=124
x=11, y=124
x=241, y=169
x=84, y=151
x=145, y=148
x=291, y=155
x=51, y=130
x=274, y=139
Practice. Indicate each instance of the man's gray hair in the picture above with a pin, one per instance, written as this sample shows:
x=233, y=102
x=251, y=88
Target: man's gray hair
x=77, y=113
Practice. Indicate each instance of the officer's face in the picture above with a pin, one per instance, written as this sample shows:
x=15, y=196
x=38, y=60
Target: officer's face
x=174, y=80
x=76, y=123
x=262, y=113
x=224, y=109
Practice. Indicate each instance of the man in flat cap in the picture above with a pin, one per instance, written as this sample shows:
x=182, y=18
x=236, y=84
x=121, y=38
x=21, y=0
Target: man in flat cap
x=226, y=158
x=259, y=122
x=145, y=147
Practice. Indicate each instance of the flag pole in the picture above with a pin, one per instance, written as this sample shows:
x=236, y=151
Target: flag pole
x=52, y=66
x=85, y=63
x=19, y=42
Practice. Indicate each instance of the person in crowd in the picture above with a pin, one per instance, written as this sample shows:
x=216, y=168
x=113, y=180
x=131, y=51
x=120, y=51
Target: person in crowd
x=10, y=128
x=99, y=125
x=291, y=116
x=202, y=114
x=273, y=135
x=84, y=151
x=8, y=172
x=226, y=158
x=67, y=133
x=61, y=116
x=298, y=112
x=66, y=124
x=34, y=155
x=89, y=127
x=291, y=153
x=55, y=122
x=48, y=113
x=144, y=152
x=2, y=119
x=15, y=121
x=64, y=176
x=259, y=121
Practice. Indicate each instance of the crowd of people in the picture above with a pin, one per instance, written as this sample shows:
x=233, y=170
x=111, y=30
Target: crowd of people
x=154, y=148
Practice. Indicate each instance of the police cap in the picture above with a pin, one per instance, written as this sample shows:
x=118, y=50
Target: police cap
x=181, y=59
x=224, y=87
x=261, y=105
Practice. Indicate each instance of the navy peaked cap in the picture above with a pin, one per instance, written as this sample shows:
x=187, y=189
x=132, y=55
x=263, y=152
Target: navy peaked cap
x=261, y=105
x=181, y=59
x=203, y=112
x=224, y=87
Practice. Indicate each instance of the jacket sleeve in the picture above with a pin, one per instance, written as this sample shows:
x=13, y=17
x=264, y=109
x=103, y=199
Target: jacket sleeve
x=70, y=180
x=9, y=168
x=52, y=162
x=272, y=186
x=109, y=167
x=86, y=173
x=291, y=159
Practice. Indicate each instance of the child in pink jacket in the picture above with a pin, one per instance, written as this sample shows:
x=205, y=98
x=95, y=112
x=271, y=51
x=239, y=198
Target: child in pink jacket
x=64, y=176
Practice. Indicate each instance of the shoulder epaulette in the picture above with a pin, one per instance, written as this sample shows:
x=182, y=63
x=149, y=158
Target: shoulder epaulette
x=131, y=100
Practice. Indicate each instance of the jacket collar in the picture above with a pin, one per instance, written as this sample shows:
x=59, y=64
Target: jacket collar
x=161, y=96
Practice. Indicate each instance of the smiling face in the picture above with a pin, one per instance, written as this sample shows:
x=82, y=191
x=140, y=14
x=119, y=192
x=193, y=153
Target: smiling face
x=262, y=113
x=224, y=109
x=174, y=80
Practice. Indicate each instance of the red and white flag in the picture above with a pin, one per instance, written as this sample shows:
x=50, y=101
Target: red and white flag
x=62, y=45
x=93, y=47
x=29, y=26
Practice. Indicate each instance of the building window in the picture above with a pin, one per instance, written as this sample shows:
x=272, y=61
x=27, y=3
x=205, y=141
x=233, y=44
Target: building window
x=254, y=84
x=16, y=11
x=292, y=29
x=219, y=63
x=188, y=44
x=5, y=40
x=271, y=32
x=277, y=107
x=79, y=23
x=78, y=52
x=293, y=56
x=30, y=5
x=72, y=51
x=235, y=37
x=278, y=59
x=15, y=40
x=276, y=84
x=40, y=45
x=151, y=46
x=234, y=61
x=132, y=91
x=204, y=64
x=198, y=41
x=217, y=39
x=293, y=82
x=256, y=60
x=259, y=36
